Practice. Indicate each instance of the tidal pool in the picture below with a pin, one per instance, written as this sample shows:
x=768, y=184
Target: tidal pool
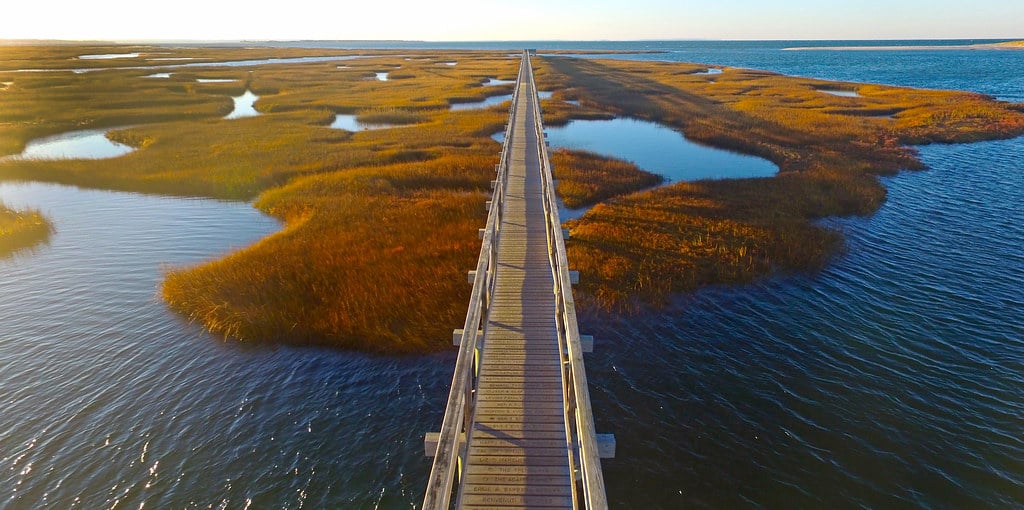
x=107, y=56
x=244, y=106
x=840, y=93
x=658, y=149
x=654, y=148
x=86, y=144
x=381, y=76
x=493, y=82
x=486, y=103
x=348, y=122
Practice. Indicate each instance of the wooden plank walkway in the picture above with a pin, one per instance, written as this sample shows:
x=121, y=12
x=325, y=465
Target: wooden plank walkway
x=518, y=446
x=518, y=430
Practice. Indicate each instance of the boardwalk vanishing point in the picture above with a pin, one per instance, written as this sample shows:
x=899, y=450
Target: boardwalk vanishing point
x=518, y=431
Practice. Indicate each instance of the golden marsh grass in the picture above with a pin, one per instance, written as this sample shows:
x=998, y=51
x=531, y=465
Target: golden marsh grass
x=381, y=225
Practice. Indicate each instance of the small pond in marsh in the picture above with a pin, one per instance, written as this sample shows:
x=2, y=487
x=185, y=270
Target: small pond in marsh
x=486, y=103
x=494, y=82
x=840, y=93
x=655, y=148
x=108, y=56
x=85, y=144
x=348, y=122
x=244, y=106
x=658, y=149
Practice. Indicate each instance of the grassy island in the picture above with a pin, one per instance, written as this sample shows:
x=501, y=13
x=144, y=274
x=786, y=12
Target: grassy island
x=21, y=229
x=639, y=249
x=381, y=224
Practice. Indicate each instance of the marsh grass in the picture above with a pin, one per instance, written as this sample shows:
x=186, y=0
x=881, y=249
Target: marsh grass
x=20, y=230
x=585, y=178
x=380, y=226
x=394, y=116
x=637, y=250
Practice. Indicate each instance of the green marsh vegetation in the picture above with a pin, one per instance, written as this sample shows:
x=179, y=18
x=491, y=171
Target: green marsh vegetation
x=381, y=225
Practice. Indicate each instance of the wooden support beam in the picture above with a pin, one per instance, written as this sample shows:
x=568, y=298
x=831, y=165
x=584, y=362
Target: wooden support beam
x=481, y=232
x=586, y=343
x=472, y=276
x=605, y=446
x=430, y=443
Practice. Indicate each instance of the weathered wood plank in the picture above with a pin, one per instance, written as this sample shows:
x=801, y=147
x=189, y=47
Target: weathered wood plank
x=519, y=501
x=562, y=488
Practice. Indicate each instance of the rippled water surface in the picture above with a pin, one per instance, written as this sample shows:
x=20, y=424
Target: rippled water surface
x=110, y=400
x=893, y=379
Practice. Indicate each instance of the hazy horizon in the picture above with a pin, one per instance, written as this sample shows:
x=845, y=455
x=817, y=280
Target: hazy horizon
x=524, y=20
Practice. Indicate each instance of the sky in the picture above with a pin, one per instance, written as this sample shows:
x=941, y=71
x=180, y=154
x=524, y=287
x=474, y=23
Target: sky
x=482, y=20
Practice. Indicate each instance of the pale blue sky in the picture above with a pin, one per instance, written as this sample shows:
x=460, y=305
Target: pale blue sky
x=460, y=20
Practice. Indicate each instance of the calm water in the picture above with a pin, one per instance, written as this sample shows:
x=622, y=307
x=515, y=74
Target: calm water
x=86, y=144
x=348, y=122
x=244, y=106
x=652, y=147
x=657, y=149
x=891, y=380
x=486, y=103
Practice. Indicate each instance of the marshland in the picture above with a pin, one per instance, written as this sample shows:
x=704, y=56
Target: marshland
x=365, y=234
x=379, y=224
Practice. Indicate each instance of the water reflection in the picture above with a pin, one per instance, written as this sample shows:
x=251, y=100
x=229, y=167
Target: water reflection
x=158, y=75
x=107, y=56
x=215, y=80
x=381, y=76
x=244, y=106
x=656, y=148
x=493, y=82
x=840, y=93
x=659, y=149
x=486, y=103
x=348, y=122
x=86, y=144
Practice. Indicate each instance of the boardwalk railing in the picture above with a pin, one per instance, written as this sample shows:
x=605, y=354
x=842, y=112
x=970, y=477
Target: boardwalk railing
x=451, y=448
x=450, y=456
x=577, y=397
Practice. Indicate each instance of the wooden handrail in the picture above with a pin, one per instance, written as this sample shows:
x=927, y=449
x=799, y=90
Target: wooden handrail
x=459, y=409
x=568, y=329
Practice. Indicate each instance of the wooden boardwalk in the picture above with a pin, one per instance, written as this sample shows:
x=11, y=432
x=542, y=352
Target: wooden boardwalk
x=517, y=418
x=518, y=447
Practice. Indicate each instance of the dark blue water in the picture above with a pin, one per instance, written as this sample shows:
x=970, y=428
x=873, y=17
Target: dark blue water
x=893, y=379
